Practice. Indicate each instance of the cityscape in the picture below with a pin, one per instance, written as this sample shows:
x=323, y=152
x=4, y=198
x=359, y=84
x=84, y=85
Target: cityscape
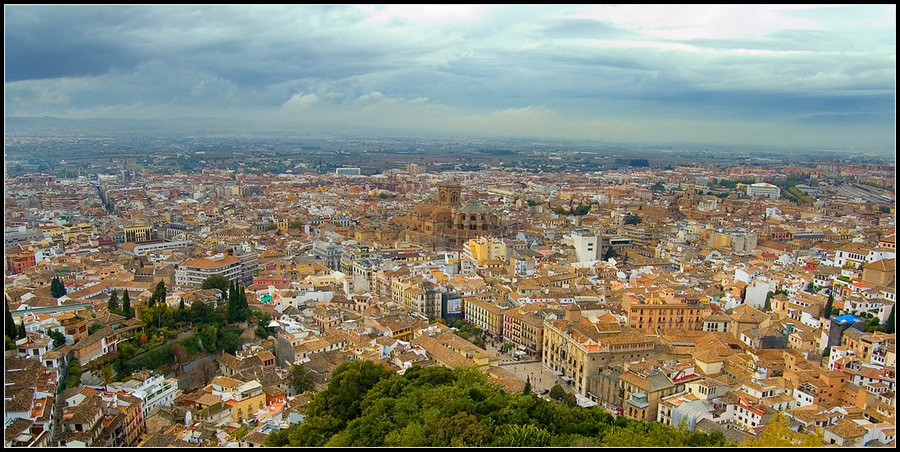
x=416, y=239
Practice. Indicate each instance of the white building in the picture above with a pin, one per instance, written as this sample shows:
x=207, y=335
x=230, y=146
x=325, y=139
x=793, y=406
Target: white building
x=193, y=272
x=763, y=189
x=588, y=246
x=150, y=387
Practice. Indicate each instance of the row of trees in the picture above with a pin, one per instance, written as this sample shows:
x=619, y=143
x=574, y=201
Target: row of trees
x=365, y=404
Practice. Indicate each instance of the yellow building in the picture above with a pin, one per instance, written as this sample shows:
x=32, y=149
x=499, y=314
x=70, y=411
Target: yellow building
x=138, y=233
x=485, y=248
x=418, y=295
x=654, y=311
x=249, y=399
x=577, y=348
x=484, y=315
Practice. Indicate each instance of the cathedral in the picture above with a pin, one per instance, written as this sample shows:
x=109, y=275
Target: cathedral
x=450, y=222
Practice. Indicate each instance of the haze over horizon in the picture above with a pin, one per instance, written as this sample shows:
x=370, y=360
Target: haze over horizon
x=762, y=75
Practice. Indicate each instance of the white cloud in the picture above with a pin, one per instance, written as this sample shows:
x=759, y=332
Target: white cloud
x=424, y=14
x=699, y=20
x=300, y=102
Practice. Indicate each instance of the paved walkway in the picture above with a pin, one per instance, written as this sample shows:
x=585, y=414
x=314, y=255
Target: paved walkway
x=541, y=377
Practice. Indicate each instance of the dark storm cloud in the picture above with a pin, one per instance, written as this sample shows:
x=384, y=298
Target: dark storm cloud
x=60, y=41
x=456, y=64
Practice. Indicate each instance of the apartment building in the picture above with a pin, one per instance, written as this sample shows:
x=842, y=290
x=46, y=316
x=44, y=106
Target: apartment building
x=418, y=295
x=653, y=311
x=193, y=272
x=643, y=388
x=576, y=348
x=485, y=315
x=152, y=388
x=524, y=326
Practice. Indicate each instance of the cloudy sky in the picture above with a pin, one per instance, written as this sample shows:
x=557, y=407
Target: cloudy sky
x=802, y=75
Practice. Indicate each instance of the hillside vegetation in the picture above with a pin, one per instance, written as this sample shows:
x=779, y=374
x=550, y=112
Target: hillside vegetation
x=368, y=405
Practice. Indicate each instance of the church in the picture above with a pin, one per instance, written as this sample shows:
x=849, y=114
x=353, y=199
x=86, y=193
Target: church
x=450, y=222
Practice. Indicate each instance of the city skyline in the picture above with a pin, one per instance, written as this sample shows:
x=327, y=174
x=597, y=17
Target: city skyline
x=765, y=75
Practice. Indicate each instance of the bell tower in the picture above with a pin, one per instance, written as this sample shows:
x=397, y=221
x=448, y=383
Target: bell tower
x=449, y=195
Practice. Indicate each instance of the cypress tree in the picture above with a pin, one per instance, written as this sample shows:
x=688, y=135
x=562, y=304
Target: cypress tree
x=11, y=329
x=160, y=292
x=829, y=306
x=889, y=325
x=113, y=304
x=245, y=307
x=22, y=328
x=232, y=309
x=126, y=305
x=57, y=288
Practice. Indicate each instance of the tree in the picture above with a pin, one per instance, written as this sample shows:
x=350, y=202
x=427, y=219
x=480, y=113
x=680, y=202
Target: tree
x=179, y=353
x=209, y=335
x=74, y=374
x=57, y=289
x=581, y=210
x=631, y=218
x=94, y=327
x=244, y=312
x=11, y=330
x=364, y=405
x=113, y=303
x=889, y=324
x=229, y=342
x=22, y=328
x=200, y=312
x=349, y=383
x=233, y=308
x=527, y=389
x=528, y=435
x=300, y=380
x=829, y=306
x=126, y=305
x=159, y=294
x=610, y=253
x=557, y=392
x=58, y=338
x=216, y=282
x=262, y=329
x=778, y=434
